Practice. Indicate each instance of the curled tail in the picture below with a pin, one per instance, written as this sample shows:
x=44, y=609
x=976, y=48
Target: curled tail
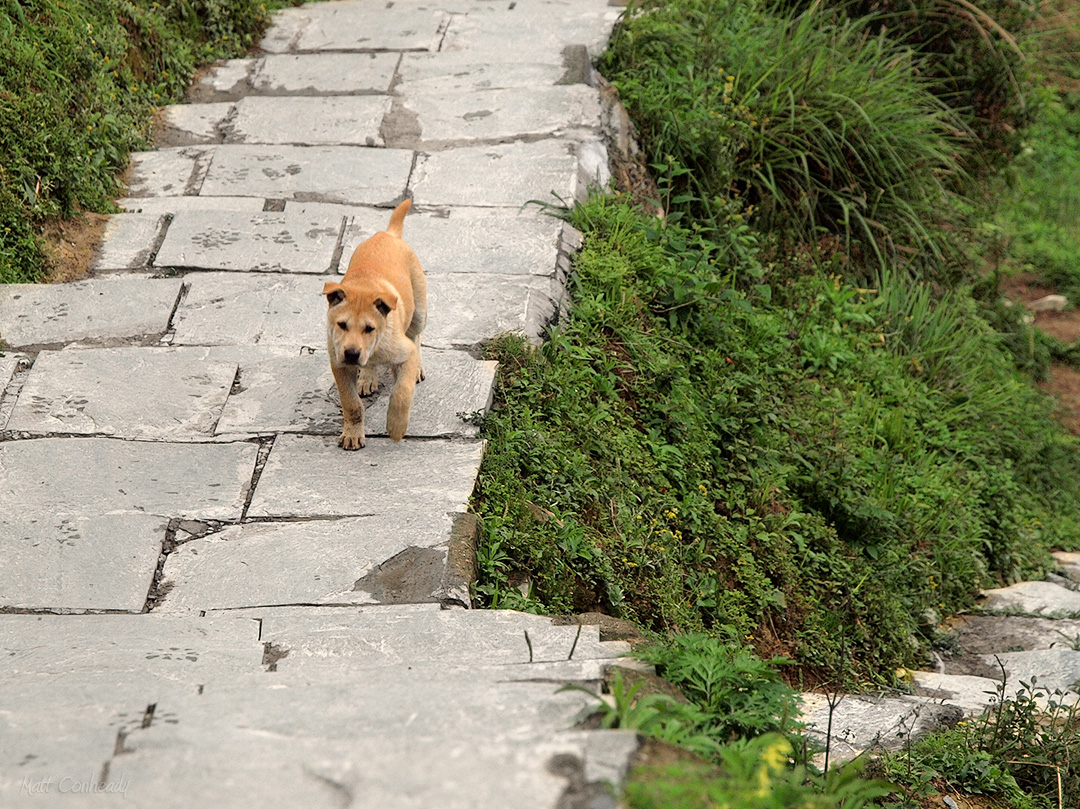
x=397, y=218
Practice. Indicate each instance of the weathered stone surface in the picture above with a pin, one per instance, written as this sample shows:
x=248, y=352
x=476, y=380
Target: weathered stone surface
x=971, y=694
x=102, y=309
x=172, y=205
x=260, y=242
x=466, y=309
x=859, y=723
x=359, y=26
x=129, y=241
x=248, y=308
x=1049, y=303
x=308, y=476
x=297, y=394
x=502, y=114
x=325, y=73
x=1045, y=668
x=1037, y=597
x=315, y=562
x=980, y=635
x=144, y=392
x=225, y=79
x=286, y=27
x=191, y=124
x=328, y=173
x=504, y=175
x=79, y=562
x=501, y=241
x=172, y=172
x=461, y=72
x=8, y=363
x=53, y=476
x=1070, y=564
x=349, y=120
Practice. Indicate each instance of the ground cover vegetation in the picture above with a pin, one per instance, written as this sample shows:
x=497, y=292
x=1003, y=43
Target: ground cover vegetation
x=78, y=84
x=794, y=416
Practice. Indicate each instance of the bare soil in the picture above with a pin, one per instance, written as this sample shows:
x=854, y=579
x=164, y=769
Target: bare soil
x=70, y=245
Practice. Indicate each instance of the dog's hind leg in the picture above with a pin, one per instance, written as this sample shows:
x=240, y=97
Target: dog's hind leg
x=352, y=409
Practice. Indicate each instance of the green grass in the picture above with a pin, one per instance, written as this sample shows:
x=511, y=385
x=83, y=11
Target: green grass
x=78, y=83
x=805, y=466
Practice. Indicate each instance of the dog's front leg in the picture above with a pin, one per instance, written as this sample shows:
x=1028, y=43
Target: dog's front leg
x=352, y=409
x=397, y=414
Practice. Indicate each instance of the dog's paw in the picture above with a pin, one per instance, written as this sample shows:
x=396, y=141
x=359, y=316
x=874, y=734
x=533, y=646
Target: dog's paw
x=351, y=439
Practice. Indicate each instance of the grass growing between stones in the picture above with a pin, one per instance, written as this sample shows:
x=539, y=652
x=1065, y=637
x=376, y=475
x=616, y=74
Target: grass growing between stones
x=78, y=83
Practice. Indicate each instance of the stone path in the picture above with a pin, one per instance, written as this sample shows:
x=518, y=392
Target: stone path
x=204, y=601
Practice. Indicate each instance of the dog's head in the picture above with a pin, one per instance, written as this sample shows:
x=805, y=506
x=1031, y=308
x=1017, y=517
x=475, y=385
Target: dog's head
x=357, y=319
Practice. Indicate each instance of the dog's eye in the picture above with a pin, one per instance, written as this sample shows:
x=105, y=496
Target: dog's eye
x=368, y=329
x=343, y=325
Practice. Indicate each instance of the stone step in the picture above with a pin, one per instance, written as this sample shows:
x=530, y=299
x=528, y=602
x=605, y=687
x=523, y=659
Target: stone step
x=1034, y=597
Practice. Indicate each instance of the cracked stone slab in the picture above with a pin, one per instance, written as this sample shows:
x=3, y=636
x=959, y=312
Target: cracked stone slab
x=310, y=476
x=316, y=562
x=496, y=241
x=462, y=73
x=228, y=79
x=173, y=205
x=972, y=694
x=315, y=173
x=1036, y=597
x=100, y=309
x=505, y=175
x=191, y=124
x=502, y=114
x=862, y=723
x=466, y=309
x=144, y=392
x=360, y=26
x=346, y=120
x=260, y=242
x=172, y=172
x=129, y=242
x=325, y=73
x=285, y=27
x=78, y=561
x=51, y=476
x=981, y=635
x=296, y=393
x=1044, y=668
x=250, y=308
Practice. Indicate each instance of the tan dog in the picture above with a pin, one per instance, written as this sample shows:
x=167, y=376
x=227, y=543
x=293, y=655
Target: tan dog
x=376, y=315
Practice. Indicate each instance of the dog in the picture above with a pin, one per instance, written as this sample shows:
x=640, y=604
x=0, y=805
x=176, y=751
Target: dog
x=376, y=315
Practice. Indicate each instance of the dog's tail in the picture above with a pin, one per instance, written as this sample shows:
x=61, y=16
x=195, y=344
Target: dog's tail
x=397, y=218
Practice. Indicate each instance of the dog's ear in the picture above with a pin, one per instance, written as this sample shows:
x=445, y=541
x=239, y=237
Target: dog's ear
x=333, y=292
x=383, y=307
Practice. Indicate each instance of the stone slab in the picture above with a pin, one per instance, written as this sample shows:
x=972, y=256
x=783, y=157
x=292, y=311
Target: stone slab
x=466, y=309
x=259, y=242
x=249, y=308
x=284, y=29
x=1069, y=562
x=980, y=635
x=310, y=476
x=313, y=562
x=173, y=205
x=489, y=241
x=171, y=172
x=79, y=562
x=100, y=309
x=8, y=363
x=80, y=476
x=327, y=173
x=324, y=73
x=462, y=73
x=191, y=124
x=228, y=78
x=539, y=31
x=129, y=242
x=348, y=120
x=1051, y=669
x=972, y=694
x=503, y=175
x=293, y=393
x=174, y=394
x=359, y=26
x=490, y=115
x=1035, y=597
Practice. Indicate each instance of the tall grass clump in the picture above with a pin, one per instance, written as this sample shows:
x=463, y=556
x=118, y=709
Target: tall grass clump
x=812, y=122
x=78, y=83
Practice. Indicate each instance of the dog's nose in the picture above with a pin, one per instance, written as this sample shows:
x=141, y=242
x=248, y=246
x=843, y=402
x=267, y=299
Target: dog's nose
x=352, y=356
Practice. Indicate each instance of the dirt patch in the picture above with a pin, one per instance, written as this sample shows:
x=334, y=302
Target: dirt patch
x=70, y=245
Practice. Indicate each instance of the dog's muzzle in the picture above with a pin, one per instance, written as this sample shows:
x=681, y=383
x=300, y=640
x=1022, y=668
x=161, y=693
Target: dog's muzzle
x=351, y=356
